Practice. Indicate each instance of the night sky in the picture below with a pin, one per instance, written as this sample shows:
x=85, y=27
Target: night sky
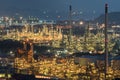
x=53, y=8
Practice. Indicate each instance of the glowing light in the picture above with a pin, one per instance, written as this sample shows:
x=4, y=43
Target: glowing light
x=81, y=22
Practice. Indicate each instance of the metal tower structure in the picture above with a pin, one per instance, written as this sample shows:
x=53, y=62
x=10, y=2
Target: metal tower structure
x=70, y=24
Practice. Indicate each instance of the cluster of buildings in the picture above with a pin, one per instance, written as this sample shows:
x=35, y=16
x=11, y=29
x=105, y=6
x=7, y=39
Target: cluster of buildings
x=67, y=68
x=59, y=35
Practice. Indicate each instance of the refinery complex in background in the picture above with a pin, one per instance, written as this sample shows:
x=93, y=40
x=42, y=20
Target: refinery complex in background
x=76, y=49
x=74, y=36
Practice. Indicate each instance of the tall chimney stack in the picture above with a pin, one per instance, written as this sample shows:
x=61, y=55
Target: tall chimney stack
x=106, y=40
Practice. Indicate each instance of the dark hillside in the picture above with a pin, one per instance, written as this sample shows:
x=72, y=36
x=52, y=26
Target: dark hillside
x=113, y=18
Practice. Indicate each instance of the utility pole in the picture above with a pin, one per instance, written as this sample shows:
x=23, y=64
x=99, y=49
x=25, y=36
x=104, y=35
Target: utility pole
x=106, y=41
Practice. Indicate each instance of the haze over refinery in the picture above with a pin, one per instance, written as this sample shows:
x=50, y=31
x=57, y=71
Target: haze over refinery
x=46, y=9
